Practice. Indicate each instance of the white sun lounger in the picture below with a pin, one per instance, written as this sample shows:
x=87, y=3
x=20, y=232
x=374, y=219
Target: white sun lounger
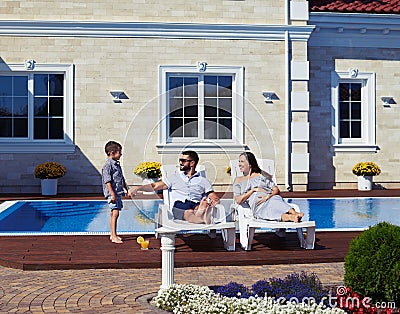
x=165, y=222
x=248, y=223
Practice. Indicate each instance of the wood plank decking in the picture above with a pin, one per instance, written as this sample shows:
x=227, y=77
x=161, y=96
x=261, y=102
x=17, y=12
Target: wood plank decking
x=83, y=252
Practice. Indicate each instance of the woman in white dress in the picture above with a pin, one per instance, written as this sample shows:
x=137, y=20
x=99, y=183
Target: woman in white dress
x=259, y=192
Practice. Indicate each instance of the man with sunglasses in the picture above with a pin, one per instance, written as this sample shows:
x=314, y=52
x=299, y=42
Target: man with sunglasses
x=193, y=194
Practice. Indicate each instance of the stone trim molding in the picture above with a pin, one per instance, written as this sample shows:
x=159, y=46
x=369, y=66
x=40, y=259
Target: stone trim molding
x=355, y=30
x=154, y=30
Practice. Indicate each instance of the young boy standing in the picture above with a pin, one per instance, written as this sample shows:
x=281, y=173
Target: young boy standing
x=113, y=185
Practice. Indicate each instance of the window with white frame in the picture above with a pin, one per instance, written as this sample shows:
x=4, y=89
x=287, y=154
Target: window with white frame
x=201, y=109
x=353, y=99
x=36, y=109
x=350, y=120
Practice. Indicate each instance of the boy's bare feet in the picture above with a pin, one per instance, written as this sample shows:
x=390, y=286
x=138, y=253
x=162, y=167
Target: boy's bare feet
x=119, y=238
x=116, y=240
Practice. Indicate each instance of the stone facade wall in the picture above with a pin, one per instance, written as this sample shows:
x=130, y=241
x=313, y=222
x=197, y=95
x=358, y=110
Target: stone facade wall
x=131, y=65
x=177, y=11
x=333, y=169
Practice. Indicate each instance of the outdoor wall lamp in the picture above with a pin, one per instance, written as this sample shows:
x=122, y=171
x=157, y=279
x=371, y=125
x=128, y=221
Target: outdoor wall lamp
x=29, y=64
x=387, y=101
x=118, y=96
x=269, y=97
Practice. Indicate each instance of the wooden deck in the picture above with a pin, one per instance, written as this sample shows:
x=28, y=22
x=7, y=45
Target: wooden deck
x=83, y=252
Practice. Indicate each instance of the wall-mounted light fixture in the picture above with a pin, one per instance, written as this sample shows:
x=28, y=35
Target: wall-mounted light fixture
x=201, y=66
x=387, y=101
x=29, y=64
x=118, y=96
x=269, y=97
x=353, y=72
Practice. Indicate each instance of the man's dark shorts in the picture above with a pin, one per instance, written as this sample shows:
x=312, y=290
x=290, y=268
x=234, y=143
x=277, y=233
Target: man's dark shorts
x=180, y=207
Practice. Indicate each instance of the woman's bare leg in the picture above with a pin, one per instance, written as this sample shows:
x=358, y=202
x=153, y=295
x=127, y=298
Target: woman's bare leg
x=294, y=212
x=292, y=217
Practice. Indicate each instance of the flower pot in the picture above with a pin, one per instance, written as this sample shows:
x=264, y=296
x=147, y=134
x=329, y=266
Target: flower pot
x=148, y=181
x=49, y=186
x=364, y=183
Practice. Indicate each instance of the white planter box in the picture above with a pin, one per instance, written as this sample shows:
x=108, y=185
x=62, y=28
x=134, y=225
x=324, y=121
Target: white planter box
x=49, y=186
x=364, y=183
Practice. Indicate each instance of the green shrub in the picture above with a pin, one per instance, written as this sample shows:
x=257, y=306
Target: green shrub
x=372, y=264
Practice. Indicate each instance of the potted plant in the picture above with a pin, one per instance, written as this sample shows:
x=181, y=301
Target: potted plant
x=49, y=172
x=365, y=171
x=149, y=171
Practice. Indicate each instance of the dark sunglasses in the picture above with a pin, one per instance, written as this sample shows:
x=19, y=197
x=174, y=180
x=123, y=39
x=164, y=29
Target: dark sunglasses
x=183, y=160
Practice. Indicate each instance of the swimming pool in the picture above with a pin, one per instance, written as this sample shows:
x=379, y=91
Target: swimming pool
x=75, y=217
x=33, y=217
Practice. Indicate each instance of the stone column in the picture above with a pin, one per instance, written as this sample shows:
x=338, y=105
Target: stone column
x=299, y=100
x=167, y=259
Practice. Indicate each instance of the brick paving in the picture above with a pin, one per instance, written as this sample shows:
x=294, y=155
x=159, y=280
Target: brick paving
x=125, y=290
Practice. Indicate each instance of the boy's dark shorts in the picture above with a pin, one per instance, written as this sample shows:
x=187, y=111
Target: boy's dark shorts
x=180, y=207
x=118, y=205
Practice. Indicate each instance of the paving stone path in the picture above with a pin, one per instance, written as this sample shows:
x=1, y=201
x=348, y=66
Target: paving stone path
x=124, y=290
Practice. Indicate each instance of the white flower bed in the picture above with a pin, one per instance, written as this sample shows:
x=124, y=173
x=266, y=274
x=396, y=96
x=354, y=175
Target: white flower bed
x=186, y=299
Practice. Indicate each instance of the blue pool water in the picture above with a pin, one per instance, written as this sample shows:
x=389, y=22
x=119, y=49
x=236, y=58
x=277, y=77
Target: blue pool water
x=137, y=217
x=60, y=217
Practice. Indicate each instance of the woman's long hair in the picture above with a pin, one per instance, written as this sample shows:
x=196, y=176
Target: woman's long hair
x=252, y=161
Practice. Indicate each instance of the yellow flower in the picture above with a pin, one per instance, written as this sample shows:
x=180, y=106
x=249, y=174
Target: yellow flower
x=148, y=169
x=367, y=168
x=228, y=170
x=50, y=170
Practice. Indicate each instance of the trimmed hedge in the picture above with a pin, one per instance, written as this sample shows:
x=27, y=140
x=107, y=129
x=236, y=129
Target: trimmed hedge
x=372, y=264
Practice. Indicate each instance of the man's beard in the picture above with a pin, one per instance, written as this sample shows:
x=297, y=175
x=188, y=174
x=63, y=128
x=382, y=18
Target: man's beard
x=184, y=168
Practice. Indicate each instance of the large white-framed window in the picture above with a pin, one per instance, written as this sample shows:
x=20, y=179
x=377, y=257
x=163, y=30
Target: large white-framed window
x=353, y=101
x=36, y=108
x=201, y=109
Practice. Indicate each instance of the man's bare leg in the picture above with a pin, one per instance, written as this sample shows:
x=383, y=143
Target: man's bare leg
x=207, y=215
x=190, y=216
x=201, y=209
